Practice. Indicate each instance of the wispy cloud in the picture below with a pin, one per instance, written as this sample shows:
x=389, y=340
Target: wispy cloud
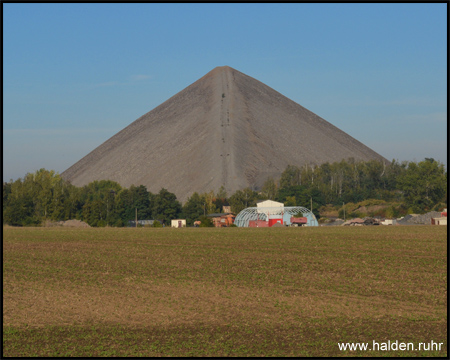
x=140, y=77
x=108, y=83
x=130, y=80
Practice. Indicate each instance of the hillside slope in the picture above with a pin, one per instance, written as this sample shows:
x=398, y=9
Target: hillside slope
x=224, y=129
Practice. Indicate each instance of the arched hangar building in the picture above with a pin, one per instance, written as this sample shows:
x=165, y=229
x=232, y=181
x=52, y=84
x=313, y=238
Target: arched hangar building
x=267, y=213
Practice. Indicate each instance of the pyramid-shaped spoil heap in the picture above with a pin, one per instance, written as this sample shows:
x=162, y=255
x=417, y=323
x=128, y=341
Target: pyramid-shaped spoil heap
x=224, y=129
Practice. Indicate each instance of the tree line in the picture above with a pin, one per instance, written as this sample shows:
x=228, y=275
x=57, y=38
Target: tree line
x=44, y=195
x=419, y=186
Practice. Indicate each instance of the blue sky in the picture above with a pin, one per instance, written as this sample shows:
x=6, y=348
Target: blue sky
x=76, y=74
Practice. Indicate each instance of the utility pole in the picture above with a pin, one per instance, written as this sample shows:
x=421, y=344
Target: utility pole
x=343, y=205
x=136, y=217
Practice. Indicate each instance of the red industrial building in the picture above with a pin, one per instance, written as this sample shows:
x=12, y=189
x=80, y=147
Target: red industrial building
x=275, y=219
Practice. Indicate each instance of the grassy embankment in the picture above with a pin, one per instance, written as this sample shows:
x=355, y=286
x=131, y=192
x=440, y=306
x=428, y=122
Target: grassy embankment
x=222, y=292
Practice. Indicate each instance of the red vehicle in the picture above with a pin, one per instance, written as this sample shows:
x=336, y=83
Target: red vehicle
x=300, y=221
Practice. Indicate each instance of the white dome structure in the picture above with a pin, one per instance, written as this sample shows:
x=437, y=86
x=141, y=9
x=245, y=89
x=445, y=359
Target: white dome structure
x=269, y=212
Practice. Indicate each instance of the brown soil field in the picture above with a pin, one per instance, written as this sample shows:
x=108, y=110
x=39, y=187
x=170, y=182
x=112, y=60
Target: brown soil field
x=222, y=292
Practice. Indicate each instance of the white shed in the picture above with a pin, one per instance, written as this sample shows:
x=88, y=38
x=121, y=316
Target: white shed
x=389, y=222
x=439, y=221
x=178, y=223
x=268, y=205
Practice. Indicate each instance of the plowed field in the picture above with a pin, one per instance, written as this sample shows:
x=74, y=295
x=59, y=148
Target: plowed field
x=223, y=292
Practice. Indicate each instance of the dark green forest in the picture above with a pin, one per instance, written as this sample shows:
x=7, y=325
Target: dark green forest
x=415, y=187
